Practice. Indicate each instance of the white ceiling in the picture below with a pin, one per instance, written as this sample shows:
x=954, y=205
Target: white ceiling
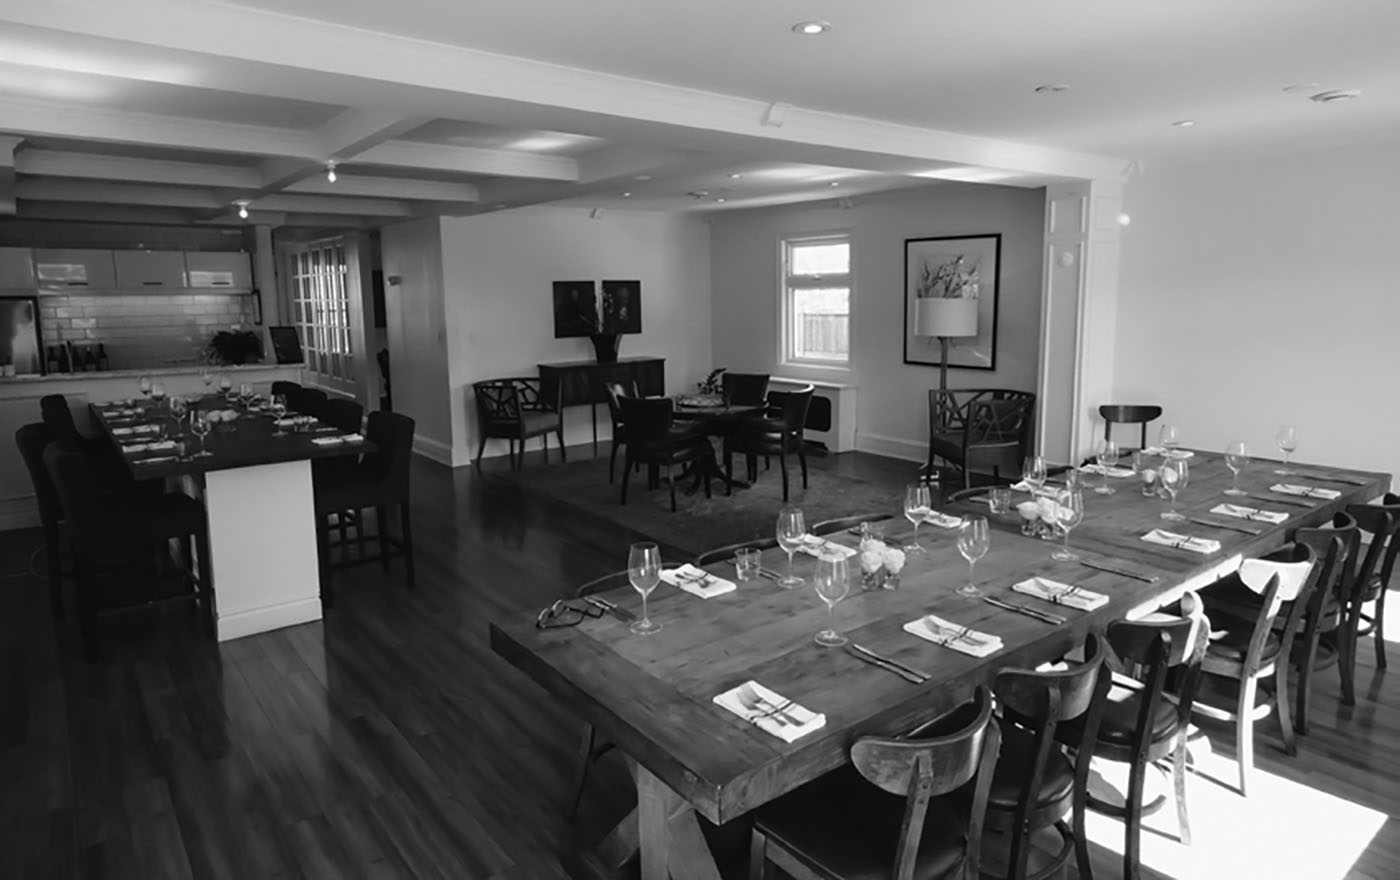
x=187, y=106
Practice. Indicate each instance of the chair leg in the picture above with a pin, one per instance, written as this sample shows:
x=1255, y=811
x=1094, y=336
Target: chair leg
x=1244, y=731
x=802, y=459
x=406, y=545
x=1081, y=835
x=612, y=462
x=1378, y=628
x=1132, y=822
x=1183, y=819
x=207, y=600
x=758, y=856
x=54, y=562
x=708, y=470
x=782, y=465
x=563, y=454
x=480, y=450
x=1305, y=684
x=323, y=555
x=381, y=517
x=544, y=442
x=1285, y=711
x=1346, y=662
x=626, y=474
x=728, y=471
x=585, y=758
x=671, y=484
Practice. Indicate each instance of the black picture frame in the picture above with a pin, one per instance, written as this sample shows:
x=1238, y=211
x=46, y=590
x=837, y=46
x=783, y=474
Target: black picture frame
x=575, y=309
x=932, y=253
x=622, y=307
x=286, y=345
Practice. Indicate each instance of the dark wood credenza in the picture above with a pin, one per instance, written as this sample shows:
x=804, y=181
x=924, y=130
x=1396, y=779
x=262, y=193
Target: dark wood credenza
x=585, y=382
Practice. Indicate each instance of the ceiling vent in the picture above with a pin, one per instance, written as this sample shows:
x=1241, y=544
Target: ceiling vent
x=1333, y=95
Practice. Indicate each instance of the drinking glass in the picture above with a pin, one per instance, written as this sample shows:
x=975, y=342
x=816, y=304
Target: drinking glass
x=199, y=426
x=1236, y=457
x=644, y=571
x=206, y=377
x=1173, y=475
x=791, y=530
x=144, y=386
x=157, y=392
x=747, y=563
x=973, y=541
x=1108, y=457
x=1068, y=514
x=832, y=581
x=225, y=383
x=1033, y=472
x=178, y=408
x=1287, y=442
x=1168, y=437
x=918, y=503
x=1000, y=498
x=279, y=410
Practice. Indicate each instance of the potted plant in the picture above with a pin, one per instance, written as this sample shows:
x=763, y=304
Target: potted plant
x=235, y=346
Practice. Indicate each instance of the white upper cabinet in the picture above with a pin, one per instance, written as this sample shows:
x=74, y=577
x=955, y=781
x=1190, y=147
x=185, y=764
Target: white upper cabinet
x=74, y=270
x=16, y=268
x=211, y=270
x=150, y=270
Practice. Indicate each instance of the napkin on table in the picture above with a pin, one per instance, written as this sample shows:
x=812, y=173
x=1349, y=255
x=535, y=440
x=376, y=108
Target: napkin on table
x=1175, y=453
x=950, y=635
x=697, y=581
x=806, y=720
x=1182, y=542
x=338, y=439
x=135, y=429
x=1107, y=471
x=1061, y=594
x=943, y=520
x=1243, y=512
x=815, y=546
x=1306, y=491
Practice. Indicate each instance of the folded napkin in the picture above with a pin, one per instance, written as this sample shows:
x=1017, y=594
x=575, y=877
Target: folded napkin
x=135, y=429
x=1022, y=486
x=1182, y=542
x=697, y=581
x=1175, y=453
x=1306, y=491
x=1243, y=512
x=156, y=460
x=815, y=546
x=1109, y=471
x=1061, y=594
x=159, y=446
x=336, y=440
x=950, y=635
x=286, y=423
x=791, y=722
x=943, y=520
x=118, y=413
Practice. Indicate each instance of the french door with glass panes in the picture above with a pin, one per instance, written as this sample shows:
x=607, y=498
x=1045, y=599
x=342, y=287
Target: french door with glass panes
x=321, y=312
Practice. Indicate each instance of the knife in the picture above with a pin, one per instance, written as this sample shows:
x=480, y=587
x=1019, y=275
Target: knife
x=770, y=574
x=1351, y=481
x=1043, y=616
x=1291, y=500
x=882, y=661
x=610, y=606
x=1146, y=579
x=1219, y=525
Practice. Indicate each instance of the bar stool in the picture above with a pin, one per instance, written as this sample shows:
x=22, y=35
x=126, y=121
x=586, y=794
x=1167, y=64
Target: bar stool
x=1128, y=414
x=32, y=440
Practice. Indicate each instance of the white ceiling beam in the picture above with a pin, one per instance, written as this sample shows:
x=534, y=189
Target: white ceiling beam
x=357, y=130
x=58, y=190
x=334, y=205
x=7, y=173
x=470, y=160
x=387, y=188
x=92, y=166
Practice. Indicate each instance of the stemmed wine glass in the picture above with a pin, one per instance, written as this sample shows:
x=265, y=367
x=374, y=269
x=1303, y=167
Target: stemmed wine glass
x=144, y=386
x=225, y=383
x=279, y=410
x=157, y=393
x=1108, y=458
x=1236, y=457
x=178, y=408
x=791, y=530
x=206, y=377
x=918, y=503
x=1034, y=473
x=973, y=541
x=1173, y=476
x=1168, y=437
x=199, y=426
x=1287, y=442
x=1069, y=512
x=644, y=571
x=832, y=581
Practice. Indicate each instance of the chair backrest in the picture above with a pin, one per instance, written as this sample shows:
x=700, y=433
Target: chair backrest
x=1382, y=523
x=391, y=434
x=32, y=439
x=617, y=391
x=827, y=526
x=497, y=400
x=726, y=553
x=72, y=477
x=344, y=414
x=1128, y=414
x=58, y=418
x=288, y=390
x=1337, y=547
x=930, y=762
x=791, y=408
x=311, y=402
x=1391, y=502
x=1157, y=647
x=745, y=389
x=1286, y=575
x=646, y=419
x=984, y=417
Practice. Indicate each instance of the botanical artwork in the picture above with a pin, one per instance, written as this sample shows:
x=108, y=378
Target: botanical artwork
x=953, y=267
x=575, y=309
x=622, y=307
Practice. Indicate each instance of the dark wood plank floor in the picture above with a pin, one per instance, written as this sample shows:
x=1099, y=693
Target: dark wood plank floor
x=387, y=740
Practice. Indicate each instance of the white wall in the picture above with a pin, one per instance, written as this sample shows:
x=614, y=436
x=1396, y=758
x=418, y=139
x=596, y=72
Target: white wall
x=1265, y=292
x=499, y=270
x=892, y=396
x=417, y=332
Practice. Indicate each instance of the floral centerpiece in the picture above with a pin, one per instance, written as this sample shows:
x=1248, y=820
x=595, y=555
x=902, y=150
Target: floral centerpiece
x=235, y=346
x=880, y=564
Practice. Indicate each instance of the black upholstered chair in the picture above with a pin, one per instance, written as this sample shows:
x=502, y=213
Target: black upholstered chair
x=289, y=390
x=744, y=389
x=779, y=434
x=983, y=430
x=617, y=391
x=516, y=410
x=652, y=440
x=310, y=402
x=344, y=414
x=885, y=815
x=1128, y=414
x=32, y=440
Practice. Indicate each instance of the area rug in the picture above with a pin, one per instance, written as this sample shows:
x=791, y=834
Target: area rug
x=701, y=523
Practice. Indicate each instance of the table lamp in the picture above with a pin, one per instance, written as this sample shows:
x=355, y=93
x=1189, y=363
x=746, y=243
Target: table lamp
x=946, y=318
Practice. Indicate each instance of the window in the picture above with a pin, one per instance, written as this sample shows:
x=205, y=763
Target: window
x=321, y=309
x=817, y=300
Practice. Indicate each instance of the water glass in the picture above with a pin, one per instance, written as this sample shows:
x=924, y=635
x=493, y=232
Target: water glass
x=746, y=563
x=279, y=411
x=1144, y=465
x=1287, y=442
x=918, y=503
x=1236, y=457
x=999, y=499
x=644, y=571
x=1168, y=437
x=973, y=542
x=1033, y=472
x=832, y=581
x=791, y=529
x=1108, y=458
x=1069, y=512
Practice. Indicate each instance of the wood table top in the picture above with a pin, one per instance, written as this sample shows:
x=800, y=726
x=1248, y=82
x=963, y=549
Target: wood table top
x=249, y=441
x=653, y=695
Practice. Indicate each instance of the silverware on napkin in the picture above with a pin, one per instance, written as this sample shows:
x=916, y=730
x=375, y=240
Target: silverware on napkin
x=906, y=672
x=1219, y=525
x=1287, y=499
x=1043, y=616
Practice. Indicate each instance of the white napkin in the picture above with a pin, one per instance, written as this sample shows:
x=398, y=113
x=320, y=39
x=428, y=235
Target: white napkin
x=1182, y=542
x=950, y=635
x=285, y=423
x=118, y=413
x=1109, y=471
x=156, y=460
x=815, y=546
x=1022, y=486
x=1175, y=453
x=696, y=580
x=339, y=438
x=1243, y=512
x=1061, y=594
x=1306, y=491
x=798, y=722
x=943, y=520
x=135, y=429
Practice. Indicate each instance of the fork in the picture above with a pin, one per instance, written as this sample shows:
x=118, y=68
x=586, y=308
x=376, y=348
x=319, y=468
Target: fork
x=750, y=700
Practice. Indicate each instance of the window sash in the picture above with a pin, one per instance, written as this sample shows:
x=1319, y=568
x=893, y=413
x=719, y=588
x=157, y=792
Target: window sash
x=800, y=330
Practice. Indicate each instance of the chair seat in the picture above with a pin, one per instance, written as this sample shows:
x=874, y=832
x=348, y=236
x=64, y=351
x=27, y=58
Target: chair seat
x=1014, y=767
x=537, y=422
x=1232, y=645
x=345, y=489
x=137, y=518
x=1120, y=718
x=844, y=827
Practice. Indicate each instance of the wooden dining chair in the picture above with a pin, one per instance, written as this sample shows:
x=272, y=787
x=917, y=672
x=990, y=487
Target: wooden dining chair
x=1324, y=621
x=1038, y=785
x=985, y=430
x=1128, y=414
x=1373, y=576
x=744, y=389
x=1246, y=650
x=288, y=390
x=884, y=815
x=651, y=441
x=344, y=415
x=779, y=437
x=726, y=553
x=841, y=524
x=616, y=391
x=515, y=410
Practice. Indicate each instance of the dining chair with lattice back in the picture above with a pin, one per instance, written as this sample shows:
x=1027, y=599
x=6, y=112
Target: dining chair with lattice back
x=984, y=430
x=891, y=812
x=1324, y=620
x=515, y=410
x=1128, y=414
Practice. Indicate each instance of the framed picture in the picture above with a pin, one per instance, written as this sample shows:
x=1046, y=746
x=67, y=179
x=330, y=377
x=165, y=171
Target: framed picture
x=951, y=284
x=622, y=307
x=575, y=309
x=20, y=345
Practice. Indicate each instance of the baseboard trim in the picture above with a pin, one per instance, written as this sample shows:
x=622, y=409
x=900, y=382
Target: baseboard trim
x=433, y=450
x=260, y=620
x=892, y=447
x=19, y=513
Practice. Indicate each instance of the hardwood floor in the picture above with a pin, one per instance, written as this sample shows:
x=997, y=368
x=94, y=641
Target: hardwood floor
x=388, y=741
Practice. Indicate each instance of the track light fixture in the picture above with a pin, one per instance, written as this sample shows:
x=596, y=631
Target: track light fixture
x=330, y=172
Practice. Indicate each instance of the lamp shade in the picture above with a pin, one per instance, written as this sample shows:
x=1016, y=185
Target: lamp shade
x=945, y=316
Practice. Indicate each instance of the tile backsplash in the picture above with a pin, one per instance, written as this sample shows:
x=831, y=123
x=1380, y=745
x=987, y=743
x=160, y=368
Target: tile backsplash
x=143, y=331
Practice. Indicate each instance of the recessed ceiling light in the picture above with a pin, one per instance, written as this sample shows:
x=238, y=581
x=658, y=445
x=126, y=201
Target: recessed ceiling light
x=721, y=200
x=834, y=183
x=627, y=195
x=811, y=28
x=1334, y=95
x=642, y=177
x=735, y=176
x=1051, y=89
x=1184, y=123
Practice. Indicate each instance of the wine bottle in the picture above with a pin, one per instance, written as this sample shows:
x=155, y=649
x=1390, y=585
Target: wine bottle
x=103, y=365
x=65, y=361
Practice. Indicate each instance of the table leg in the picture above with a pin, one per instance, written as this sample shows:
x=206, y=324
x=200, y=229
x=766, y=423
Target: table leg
x=672, y=844
x=593, y=408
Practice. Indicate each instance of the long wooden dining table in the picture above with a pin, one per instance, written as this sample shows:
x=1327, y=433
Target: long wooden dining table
x=653, y=695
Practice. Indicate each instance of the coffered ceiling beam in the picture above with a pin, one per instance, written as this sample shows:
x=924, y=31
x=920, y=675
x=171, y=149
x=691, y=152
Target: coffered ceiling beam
x=92, y=166
x=387, y=188
x=470, y=160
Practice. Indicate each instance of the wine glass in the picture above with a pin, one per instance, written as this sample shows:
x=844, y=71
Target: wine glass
x=832, y=581
x=973, y=541
x=644, y=571
x=144, y=386
x=1173, y=475
x=245, y=394
x=225, y=383
x=279, y=410
x=1069, y=512
x=791, y=530
x=206, y=377
x=157, y=392
x=1236, y=457
x=1034, y=473
x=1108, y=458
x=1287, y=442
x=178, y=408
x=199, y=426
x=1168, y=437
x=917, y=506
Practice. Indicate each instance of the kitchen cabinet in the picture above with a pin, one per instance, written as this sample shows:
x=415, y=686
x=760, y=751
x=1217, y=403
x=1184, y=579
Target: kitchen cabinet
x=16, y=269
x=71, y=270
x=210, y=270
x=147, y=270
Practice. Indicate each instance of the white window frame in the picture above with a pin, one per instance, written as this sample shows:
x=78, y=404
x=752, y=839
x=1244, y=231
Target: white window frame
x=787, y=283
x=320, y=304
